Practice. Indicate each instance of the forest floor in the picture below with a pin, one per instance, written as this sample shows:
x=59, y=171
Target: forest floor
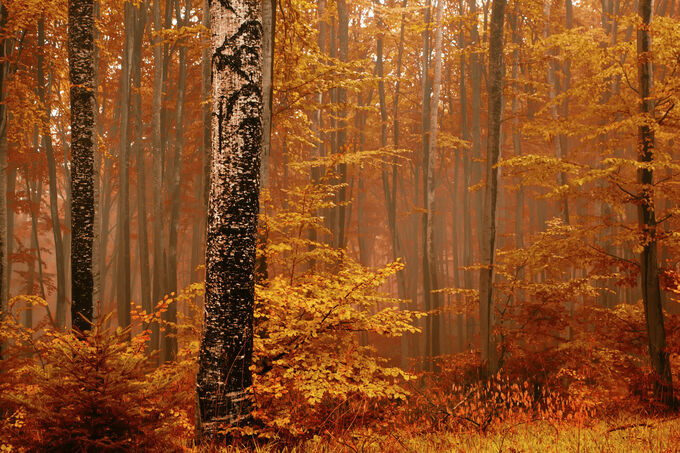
x=632, y=434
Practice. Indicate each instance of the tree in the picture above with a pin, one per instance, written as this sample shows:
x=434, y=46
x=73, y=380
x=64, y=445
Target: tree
x=226, y=346
x=429, y=261
x=488, y=233
x=81, y=74
x=4, y=66
x=649, y=266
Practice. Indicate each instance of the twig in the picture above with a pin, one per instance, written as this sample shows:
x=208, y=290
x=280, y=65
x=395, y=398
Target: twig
x=633, y=425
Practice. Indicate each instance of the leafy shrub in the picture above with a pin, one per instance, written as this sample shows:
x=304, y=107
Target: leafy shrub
x=86, y=394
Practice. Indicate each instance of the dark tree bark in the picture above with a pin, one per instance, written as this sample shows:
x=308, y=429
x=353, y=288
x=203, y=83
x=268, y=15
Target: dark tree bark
x=487, y=246
x=226, y=347
x=649, y=266
x=81, y=75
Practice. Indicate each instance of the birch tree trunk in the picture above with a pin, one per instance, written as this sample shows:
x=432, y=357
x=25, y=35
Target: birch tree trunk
x=430, y=273
x=651, y=293
x=81, y=75
x=487, y=246
x=226, y=346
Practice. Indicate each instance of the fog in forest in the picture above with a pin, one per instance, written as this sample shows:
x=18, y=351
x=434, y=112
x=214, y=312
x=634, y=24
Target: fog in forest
x=315, y=224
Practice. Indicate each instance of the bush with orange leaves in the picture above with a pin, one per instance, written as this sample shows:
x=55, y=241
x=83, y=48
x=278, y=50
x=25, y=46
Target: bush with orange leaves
x=61, y=391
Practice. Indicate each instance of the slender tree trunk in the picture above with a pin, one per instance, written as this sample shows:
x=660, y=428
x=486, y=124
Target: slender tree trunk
x=343, y=42
x=198, y=249
x=651, y=292
x=426, y=88
x=553, y=90
x=225, y=353
x=392, y=215
x=476, y=63
x=430, y=262
x=105, y=209
x=169, y=346
x=81, y=75
x=4, y=257
x=468, y=278
x=11, y=203
x=35, y=213
x=140, y=157
x=487, y=246
x=516, y=133
x=157, y=178
x=62, y=307
x=268, y=41
x=123, y=290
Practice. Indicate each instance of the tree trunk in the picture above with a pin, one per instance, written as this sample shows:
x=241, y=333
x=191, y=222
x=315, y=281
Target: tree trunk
x=392, y=215
x=226, y=346
x=425, y=127
x=158, y=152
x=197, y=249
x=559, y=140
x=140, y=157
x=430, y=262
x=476, y=62
x=268, y=41
x=651, y=293
x=169, y=346
x=343, y=41
x=81, y=75
x=487, y=246
x=62, y=307
x=123, y=290
x=468, y=277
x=4, y=258
x=516, y=132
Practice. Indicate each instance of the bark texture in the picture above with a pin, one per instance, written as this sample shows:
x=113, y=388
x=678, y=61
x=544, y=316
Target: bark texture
x=226, y=347
x=487, y=246
x=430, y=273
x=81, y=75
x=649, y=267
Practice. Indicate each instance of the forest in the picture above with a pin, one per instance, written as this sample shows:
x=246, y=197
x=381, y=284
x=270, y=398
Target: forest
x=339, y=226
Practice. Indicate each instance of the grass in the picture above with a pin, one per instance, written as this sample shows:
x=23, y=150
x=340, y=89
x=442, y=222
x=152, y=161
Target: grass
x=622, y=435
